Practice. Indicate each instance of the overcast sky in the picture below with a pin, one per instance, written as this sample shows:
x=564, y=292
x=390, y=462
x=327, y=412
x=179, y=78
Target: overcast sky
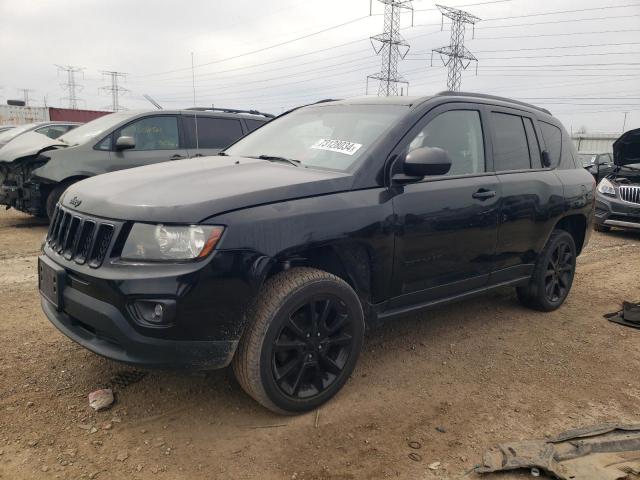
x=584, y=65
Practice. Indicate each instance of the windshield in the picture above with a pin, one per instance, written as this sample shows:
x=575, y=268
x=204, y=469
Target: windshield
x=92, y=129
x=14, y=132
x=325, y=136
x=586, y=159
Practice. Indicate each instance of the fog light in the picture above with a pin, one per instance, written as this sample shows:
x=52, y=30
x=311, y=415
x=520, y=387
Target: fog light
x=154, y=313
x=157, y=312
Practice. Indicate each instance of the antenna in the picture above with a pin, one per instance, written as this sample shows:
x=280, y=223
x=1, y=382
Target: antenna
x=392, y=48
x=152, y=101
x=456, y=52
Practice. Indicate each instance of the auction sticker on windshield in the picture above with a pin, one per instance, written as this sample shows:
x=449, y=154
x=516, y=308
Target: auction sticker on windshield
x=339, y=146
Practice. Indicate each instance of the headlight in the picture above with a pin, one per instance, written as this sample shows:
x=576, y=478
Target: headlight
x=606, y=188
x=170, y=242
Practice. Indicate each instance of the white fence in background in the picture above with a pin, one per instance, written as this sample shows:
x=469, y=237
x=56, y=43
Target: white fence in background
x=12, y=115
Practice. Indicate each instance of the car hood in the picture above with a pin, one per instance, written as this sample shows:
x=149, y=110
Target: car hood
x=26, y=145
x=626, y=149
x=190, y=191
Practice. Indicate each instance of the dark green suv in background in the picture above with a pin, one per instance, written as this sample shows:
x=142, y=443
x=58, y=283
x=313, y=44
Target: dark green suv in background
x=35, y=171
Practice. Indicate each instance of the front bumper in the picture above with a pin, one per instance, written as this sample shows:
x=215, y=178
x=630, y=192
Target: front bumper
x=97, y=309
x=104, y=331
x=613, y=212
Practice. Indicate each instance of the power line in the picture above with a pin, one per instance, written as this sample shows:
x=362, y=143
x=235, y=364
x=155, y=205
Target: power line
x=71, y=85
x=558, y=34
x=263, y=49
x=115, y=89
x=456, y=52
x=392, y=47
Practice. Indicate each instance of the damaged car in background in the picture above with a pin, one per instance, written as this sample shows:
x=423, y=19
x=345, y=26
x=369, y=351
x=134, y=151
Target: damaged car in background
x=618, y=194
x=35, y=170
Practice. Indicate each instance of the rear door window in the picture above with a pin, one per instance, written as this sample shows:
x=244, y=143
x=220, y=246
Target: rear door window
x=553, y=140
x=510, y=145
x=212, y=132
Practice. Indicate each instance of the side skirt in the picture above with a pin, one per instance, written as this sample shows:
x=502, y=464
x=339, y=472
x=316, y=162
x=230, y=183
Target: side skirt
x=381, y=314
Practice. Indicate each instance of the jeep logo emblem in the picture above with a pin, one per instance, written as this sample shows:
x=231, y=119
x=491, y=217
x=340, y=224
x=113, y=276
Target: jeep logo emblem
x=75, y=201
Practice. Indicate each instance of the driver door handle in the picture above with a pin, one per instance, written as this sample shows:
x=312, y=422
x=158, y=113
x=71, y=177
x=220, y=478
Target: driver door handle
x=484, y=194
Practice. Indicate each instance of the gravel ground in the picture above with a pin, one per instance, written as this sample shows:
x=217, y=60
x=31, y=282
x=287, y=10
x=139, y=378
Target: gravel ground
x=456, y=380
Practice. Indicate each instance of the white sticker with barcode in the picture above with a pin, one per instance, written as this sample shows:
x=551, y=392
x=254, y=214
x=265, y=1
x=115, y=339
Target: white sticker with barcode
x=339, y=146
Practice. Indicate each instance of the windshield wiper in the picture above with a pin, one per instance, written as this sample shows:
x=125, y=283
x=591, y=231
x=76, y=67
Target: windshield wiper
x=222, y=154
x=290, y=161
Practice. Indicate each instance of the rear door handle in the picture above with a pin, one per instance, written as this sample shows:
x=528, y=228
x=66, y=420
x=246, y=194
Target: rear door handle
x=484, y=194
x=177, y=157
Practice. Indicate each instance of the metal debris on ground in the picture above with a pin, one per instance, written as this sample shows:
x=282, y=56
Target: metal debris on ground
x=415, y=445
x=416, y=457
x=601, y=452
x=628, y=316
x=101, y=399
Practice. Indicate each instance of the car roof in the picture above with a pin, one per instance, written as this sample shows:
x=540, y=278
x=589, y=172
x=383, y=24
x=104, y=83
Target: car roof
x=203, y=113
x=415, y=100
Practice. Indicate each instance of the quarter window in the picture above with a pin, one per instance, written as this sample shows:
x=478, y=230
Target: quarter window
x=553, y=140
x=459, y=132
x=253, y=124
x=153, y=133
x=510, y=149
x=212, y=132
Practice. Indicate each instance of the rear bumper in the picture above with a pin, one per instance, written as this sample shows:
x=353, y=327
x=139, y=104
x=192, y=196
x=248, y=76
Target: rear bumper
x=613, y=212
x=104, y=331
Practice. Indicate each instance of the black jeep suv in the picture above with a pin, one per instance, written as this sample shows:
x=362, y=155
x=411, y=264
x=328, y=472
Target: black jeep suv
x=277, y=254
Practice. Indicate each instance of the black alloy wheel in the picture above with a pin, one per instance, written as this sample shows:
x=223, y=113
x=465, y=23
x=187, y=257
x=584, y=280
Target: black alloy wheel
x=312, y=347
x=559, y=274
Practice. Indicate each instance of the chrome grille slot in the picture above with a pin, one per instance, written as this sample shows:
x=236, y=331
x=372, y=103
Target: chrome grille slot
x=630, y=193
x=80, y=239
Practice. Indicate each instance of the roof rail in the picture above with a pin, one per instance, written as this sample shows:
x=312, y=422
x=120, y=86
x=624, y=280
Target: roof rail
x=231, y=110
x=491, y=97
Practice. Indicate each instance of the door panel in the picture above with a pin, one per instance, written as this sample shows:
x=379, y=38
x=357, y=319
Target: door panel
x=446, y=225
x=447, y=237
x=532, y=197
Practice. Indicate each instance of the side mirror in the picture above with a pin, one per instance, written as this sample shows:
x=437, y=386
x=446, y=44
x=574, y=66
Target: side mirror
x=426, y=161
x=546, y=159
x=125, y=143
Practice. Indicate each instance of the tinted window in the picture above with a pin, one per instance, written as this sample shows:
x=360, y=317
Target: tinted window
x=153, y=133
x=213, y=132
x=459, y=132
x=553, y=140
x=510, y=149
x=253, y=124
x=534, y=146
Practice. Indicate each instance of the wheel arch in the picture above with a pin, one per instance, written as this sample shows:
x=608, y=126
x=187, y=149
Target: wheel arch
x=350, y=261
x=576, y=225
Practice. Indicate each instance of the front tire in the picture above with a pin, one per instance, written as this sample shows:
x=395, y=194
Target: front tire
x=302, y=340
x=552, y=275
x=53, y=197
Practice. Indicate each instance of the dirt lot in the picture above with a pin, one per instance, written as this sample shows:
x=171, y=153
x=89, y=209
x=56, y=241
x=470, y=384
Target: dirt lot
x=456, y=380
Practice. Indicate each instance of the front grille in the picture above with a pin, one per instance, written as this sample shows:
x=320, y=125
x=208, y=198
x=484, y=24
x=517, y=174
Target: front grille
x=630, y=193
x=78, y=238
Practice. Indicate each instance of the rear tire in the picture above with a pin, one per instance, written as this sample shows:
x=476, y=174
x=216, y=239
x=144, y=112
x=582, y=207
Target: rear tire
x=601, y=228
x=552, y=275
x=303, y=337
